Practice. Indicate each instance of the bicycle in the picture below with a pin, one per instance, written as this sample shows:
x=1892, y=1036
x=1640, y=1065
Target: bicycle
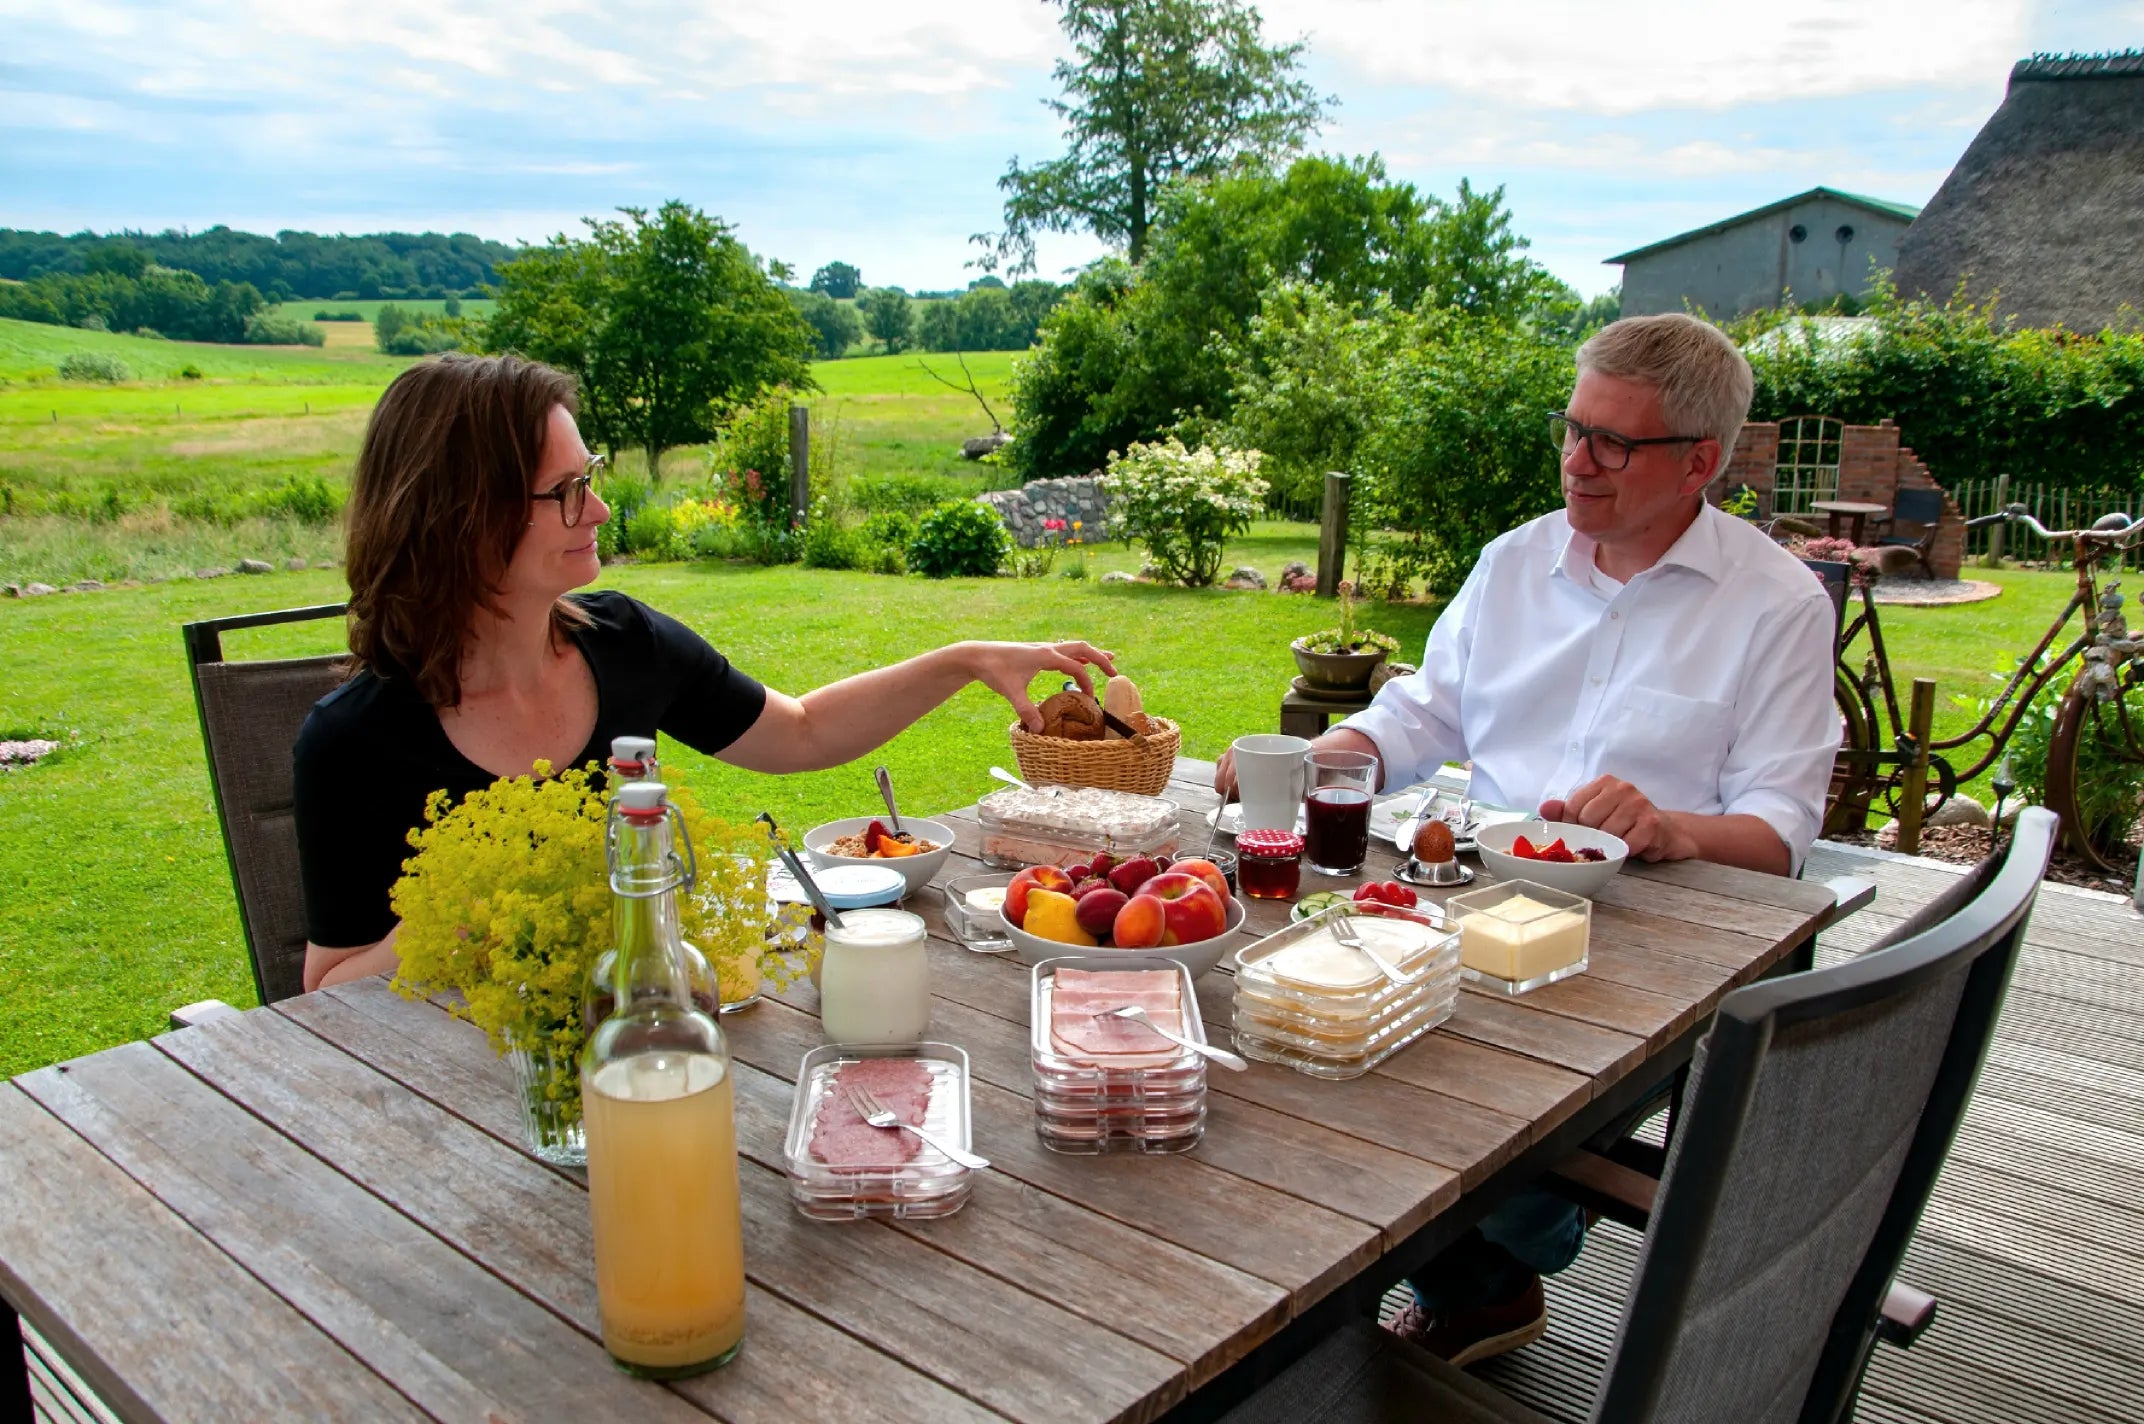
x=2109, y=665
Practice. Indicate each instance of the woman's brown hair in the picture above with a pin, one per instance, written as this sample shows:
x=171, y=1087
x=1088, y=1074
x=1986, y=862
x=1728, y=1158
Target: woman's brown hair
x=438, y=503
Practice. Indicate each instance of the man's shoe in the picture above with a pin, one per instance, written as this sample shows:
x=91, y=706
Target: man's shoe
x=1470, y=1336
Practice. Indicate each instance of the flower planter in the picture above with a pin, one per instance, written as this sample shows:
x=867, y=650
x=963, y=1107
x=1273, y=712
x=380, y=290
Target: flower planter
x=1340, y=672
x=549, y=1087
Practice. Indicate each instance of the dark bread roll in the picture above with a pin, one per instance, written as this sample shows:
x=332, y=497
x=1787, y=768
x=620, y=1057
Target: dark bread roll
x=1072, y=715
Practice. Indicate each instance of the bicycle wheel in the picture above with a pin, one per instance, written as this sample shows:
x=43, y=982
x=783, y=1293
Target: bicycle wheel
x=2078, y=718
x=1853, y=772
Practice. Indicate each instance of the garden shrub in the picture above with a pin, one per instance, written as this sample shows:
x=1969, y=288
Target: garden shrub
x=904, y=494
x=1183, y=504
x=882, y=542
x=1974, y=396
x=189, y=372
x=94, y=366
x=625, y=495
x=2110, y=788
x=827, y=545
x=307, y=498
x=266, y=328
x=648, y=531
x=959, y=537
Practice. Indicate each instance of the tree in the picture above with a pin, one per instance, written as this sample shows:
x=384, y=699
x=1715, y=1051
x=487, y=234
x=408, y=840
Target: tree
x=838, y=280
x=835, y=325
x=1158, y=91
x=668, y=323
x=890, y=318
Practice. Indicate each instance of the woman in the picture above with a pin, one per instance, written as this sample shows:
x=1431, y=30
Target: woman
x=472, y=516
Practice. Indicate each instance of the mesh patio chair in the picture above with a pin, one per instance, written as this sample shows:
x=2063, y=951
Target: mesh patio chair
x=250, y=715
x=1916, y=516
x=1788, y=1199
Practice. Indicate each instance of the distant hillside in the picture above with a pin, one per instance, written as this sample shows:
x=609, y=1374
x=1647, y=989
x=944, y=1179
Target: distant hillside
x=32, y=351
x=288, y=266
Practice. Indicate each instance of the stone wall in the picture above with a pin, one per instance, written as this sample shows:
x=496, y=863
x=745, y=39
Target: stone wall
x=1873, y=467
x=1076, y=500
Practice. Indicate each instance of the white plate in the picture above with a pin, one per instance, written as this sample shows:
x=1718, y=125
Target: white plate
x=1394, y=819
x=1232, y=819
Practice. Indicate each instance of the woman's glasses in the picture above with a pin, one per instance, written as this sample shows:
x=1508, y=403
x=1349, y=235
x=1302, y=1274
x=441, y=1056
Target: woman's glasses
x=572, y=495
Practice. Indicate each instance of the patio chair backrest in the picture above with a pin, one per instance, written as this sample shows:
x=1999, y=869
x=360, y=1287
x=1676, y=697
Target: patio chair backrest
x=1836, y=578
x=250, y=715
x=1820, y=1108
x=1916, y=506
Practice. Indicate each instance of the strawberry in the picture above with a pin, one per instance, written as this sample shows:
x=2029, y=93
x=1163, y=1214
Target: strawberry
x=873, y=835
x=1520, y=847
x=1557, y=853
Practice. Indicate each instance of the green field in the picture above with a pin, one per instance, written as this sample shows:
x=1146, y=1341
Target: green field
x=304, y=308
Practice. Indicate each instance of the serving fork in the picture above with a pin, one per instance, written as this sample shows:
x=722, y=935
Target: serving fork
x=1205, y=1050
x=1345, y=933
x=876, y=1113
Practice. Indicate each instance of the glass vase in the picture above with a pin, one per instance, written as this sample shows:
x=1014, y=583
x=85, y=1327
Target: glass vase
x=549, y=1086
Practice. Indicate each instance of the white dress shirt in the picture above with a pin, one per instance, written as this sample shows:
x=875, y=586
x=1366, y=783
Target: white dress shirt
x=1705, y=681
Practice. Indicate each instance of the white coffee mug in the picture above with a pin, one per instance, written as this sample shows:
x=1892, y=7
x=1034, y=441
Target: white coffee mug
x=1269, y=778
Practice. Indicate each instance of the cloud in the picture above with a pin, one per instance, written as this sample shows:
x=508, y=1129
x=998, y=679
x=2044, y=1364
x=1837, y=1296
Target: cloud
x=1630, y=58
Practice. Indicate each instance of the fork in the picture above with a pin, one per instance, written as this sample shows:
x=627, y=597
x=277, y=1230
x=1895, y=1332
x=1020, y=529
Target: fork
x=1345, y=933
x=876, y=1113
x=1205, y=1050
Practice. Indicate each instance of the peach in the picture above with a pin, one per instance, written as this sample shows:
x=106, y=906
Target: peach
x=1055, y=916
x=1035, y=877
x=1129, y=875
x=1097, y=910
x=1141, y=923
x=1205, y=870
x=1192, y=910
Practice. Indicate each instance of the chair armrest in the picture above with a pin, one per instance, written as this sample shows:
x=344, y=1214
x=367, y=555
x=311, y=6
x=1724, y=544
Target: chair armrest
x=1849, y=895
x=1601, y=1184
x=201, y=1012
x=1905, y=1313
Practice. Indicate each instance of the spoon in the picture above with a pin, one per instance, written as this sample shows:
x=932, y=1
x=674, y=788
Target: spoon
x=1215, y=834
x=812, y=892
x=1009, y=779
x=1138, y=1015
x=885, y=789
x=1345, y=933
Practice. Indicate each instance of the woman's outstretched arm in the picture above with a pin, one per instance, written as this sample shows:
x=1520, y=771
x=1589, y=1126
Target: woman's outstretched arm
x=843, y=720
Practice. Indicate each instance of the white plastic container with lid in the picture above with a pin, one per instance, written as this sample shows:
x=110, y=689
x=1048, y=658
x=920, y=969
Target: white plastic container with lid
x=874, y=979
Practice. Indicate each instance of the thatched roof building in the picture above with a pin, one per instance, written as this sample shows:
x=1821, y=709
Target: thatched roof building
x=2047, y=205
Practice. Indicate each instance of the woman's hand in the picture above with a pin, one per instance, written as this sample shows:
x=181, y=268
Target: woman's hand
x=1008, y=668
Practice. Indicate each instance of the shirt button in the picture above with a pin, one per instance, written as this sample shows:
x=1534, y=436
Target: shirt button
x=1613, y=616
x=1574, y=748
x=1596, y=682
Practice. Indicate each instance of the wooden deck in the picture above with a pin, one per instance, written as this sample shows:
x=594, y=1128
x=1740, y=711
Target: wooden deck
x=2034, y=1242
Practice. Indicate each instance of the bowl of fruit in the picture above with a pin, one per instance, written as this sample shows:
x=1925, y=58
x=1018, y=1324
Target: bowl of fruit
x=1179, y=911
x=868, y=840
x=1575, y=859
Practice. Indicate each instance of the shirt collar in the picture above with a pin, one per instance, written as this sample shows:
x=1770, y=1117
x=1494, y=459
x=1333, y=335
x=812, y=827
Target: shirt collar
x=1698, y=549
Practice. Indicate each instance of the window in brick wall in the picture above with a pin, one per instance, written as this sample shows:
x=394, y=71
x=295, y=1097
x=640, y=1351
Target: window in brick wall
x=1808, y=468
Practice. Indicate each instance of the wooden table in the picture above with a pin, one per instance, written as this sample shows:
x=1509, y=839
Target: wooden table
x=1838, y=511
x=321, y=1210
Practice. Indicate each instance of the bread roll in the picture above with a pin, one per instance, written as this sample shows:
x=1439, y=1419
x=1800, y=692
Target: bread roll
x=1120, y=698
x=1073, y=715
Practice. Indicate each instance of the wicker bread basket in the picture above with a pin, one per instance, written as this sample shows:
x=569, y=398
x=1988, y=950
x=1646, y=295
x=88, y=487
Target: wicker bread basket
x=1140, y=764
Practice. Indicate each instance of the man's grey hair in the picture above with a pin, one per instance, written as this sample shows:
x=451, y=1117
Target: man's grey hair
x=1703, y=379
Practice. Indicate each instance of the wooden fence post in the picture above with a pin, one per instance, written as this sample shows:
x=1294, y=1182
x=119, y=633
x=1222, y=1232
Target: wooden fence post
x=1994, y=559
x=799, y=464
x=1332, y=534
x=1913, y=790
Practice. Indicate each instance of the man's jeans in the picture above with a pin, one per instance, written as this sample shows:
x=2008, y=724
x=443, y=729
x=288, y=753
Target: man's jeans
x=1536, y=1233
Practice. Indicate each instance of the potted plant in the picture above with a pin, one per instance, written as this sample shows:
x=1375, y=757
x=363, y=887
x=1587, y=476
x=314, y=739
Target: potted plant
x=1342, y=659
x=507, y=902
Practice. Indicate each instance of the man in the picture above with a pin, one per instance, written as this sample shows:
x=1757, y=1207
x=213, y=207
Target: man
x=1637, y=662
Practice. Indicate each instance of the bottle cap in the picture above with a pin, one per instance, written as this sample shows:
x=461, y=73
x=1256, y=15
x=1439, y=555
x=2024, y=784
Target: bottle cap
x=645, y=797
x=631, y=749
x=859, y=887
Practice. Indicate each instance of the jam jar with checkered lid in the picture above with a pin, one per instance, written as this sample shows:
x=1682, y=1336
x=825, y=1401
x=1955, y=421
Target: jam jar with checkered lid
x=1269, y=864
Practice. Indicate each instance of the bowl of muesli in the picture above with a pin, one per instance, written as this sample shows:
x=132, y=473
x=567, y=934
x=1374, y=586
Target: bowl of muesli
x=869, y=840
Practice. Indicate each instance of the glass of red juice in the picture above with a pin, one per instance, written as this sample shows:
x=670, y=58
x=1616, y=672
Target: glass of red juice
x=1336, y=810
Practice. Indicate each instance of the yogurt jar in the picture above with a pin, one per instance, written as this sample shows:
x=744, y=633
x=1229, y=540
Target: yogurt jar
x=874, y=978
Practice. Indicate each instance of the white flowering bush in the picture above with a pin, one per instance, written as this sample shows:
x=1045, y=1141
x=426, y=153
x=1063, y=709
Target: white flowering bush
x=1183, y=504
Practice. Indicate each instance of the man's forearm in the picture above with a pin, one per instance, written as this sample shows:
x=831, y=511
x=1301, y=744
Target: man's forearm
x=1745, y=841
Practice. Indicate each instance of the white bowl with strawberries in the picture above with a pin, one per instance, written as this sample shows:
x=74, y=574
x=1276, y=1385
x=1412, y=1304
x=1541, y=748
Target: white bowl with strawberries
x=1178, y=910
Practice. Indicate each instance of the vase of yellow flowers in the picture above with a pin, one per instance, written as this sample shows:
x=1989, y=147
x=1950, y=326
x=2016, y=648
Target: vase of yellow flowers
x=507, y=903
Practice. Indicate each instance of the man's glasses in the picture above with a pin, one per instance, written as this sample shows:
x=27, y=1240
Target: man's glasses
x=572, y=495
x=1609, y=450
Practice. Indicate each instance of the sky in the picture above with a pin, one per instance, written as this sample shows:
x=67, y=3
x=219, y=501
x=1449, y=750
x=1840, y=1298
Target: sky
x=874, y=131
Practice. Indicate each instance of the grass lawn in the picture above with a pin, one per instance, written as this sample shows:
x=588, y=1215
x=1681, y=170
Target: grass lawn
x=115, y=899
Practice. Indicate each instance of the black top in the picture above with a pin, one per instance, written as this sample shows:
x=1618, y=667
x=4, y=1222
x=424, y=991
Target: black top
x=373, y=750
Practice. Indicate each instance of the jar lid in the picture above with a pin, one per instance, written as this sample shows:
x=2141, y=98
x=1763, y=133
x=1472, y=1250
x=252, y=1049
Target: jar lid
x=858, y=887
x=1272, y=843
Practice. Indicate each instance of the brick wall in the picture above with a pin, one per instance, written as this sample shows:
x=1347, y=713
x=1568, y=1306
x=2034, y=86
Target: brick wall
x=1755, y=462
x=1873, y=467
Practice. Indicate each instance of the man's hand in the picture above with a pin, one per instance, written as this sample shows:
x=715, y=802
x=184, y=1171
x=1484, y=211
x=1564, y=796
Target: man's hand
x=1339, y=739
x=1613, y=805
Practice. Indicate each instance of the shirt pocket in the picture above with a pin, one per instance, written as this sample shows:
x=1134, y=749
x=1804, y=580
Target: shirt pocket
x=1669, y=746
